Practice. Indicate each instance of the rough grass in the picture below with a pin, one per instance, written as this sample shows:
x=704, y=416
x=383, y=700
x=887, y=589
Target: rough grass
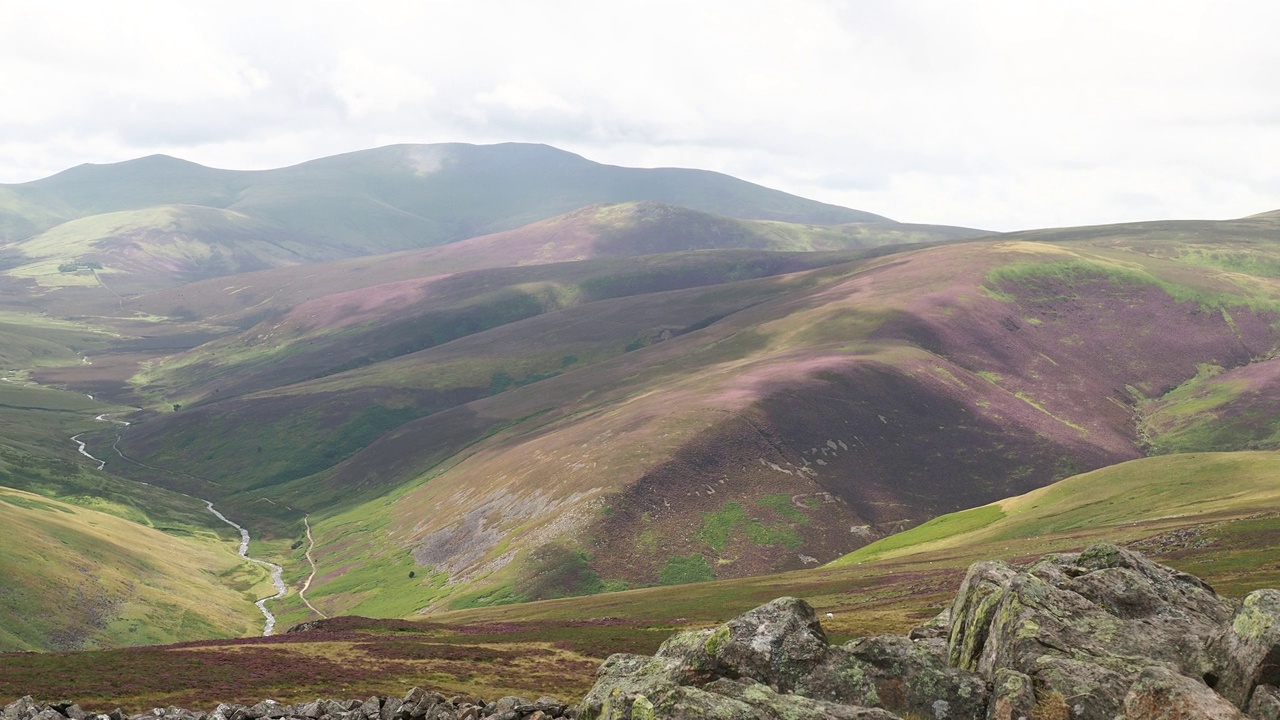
x=1215, y=514
x=82, y=578
x=1216, y=410
x=1140, y=491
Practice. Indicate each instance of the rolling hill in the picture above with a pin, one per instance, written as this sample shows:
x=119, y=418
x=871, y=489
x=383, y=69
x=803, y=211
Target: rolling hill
x=489, y=375
x=737, y=426
x=159, y=222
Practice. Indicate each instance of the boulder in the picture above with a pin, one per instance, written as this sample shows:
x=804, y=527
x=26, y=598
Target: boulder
x=1012, y=697
x=938, y=627
x=392, y=709
x=1265, y=703
x=1247, y=652
x=630, y=683
x=899, y=674
x=20, y=709
x=1083, y=626
x=776, y=644
x=1162, y=694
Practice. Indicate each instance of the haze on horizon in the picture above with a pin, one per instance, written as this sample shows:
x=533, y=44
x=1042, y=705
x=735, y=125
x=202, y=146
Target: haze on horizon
x=1000, y=115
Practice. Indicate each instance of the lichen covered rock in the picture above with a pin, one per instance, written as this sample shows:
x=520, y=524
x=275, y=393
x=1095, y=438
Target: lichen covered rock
x=1083, y=626
x=1247, y=652
x=1162, y=694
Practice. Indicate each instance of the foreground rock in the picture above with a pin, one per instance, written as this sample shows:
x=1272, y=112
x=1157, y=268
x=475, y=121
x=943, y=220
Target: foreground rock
x=1104, y=634
x=1099, y=635
x=417, y=704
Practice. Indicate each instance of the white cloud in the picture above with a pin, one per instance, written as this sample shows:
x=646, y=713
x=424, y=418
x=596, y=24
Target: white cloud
x=996, y=114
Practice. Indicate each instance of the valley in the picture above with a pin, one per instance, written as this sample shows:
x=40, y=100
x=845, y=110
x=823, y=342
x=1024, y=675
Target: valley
x=563, y=408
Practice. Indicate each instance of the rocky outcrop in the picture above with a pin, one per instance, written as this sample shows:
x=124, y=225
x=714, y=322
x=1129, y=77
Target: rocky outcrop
x=1104, y=634
x=775, y=662
x=417, y=704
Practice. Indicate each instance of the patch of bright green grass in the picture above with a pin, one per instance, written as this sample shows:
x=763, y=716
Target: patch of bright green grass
x=936, y=529
x=1073, y=272
x=719, y=526
x=781, y=504
x=682, y=570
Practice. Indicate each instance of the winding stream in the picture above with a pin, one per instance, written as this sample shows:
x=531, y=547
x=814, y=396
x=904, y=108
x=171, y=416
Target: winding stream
x=277, y=572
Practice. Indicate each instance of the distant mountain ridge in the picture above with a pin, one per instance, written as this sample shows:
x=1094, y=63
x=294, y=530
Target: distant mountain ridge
x=420, y=195
x=159, y=222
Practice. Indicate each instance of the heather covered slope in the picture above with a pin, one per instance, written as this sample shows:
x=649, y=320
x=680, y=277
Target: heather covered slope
x=850, y=401
x=596, y=232
x=357, y=328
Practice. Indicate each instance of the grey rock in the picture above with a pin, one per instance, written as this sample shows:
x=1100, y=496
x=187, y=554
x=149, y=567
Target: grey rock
x=20, y=709
x=938, y=627
x=1247, y=652
x=625, y=680
x=268, y=710
x=70, y=710
x=441, y=711
x=1162, y=694
x=418, y=702
x=1265, y=703
x=776, y=644
x=371, y=708
x=550, y=706
x=764, y=702
x=392, y=709
x=898, y=674
x=332, y=707
x=312, y=710
x=983, y=589
x=1083, y=626
x=509, y=708
x=1012, y=697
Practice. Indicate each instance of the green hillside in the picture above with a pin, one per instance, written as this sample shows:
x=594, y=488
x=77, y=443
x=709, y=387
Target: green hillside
x=81, y=578
x=734, y=428
x=1213, y=514
x=97, y=561
x=572, y=379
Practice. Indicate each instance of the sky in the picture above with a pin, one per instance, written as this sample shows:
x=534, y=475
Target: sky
x=997, y=115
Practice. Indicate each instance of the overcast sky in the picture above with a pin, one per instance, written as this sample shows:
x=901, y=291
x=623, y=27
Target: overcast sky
x=1000, y=115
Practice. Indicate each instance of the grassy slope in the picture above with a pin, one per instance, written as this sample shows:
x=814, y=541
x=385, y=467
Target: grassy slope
x=290, y=432
x=1213, y=514
x=1220, y=409
x=985, y=372
x=156, y=247
x=352, y=329
x=101, y=561
x=81, y=578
